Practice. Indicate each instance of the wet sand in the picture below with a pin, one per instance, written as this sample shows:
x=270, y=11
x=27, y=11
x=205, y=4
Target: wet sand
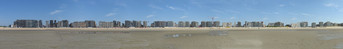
x=171, y=39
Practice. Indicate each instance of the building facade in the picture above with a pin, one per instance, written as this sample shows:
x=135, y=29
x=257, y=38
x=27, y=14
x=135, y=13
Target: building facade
x=321, y=24
x=117, y=24
x=227, y=24
x=78, y=25
x=90, y=23
x=187, y=24
x=51, y=24
x=181, y=24
x=313, y=25
x=209, y=24
x=145, y=24
x=276, y=24
x=203, y=24
x=128, y=23
x=63, y=23
x=216, y=24
x=136, y=23
x=253, y=24
x=103, y=24
x=194, y=24
x=239, y=24
x=303, y=24
x=328, y=24
x=27, y=24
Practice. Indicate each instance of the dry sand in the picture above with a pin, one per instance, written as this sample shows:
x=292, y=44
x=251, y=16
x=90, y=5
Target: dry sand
x=167, y=29
x=171, y=38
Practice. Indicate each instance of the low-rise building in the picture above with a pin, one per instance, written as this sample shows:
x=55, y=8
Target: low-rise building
x=90, y=23
x=227, y=24
x=328, y=24
x=103, y=24
x=27, y=23
x=203, y=24
x=170, y=24
x=253, y=24
x=209, y=24
x=276, y=24
x=194, y=24
x=321, y=24
x=78, y=25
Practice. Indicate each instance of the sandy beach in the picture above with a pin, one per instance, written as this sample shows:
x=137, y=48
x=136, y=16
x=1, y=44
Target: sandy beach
x=174, y=28
x=171, y=38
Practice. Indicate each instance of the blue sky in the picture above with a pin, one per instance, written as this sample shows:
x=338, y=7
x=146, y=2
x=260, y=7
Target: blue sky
x=288, y=11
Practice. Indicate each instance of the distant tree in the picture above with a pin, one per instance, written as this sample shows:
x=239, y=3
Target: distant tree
x=288, y=25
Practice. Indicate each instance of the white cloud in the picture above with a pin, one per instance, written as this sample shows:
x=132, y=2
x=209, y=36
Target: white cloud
x=331, y=5
x=55, y=12
x=110, y=14
x=176, y=8
x=233, y=18
x=183, y=17
x=154, y=6
x=150, y=16
x=338, y=8
x=171, y=7
x=305, y=14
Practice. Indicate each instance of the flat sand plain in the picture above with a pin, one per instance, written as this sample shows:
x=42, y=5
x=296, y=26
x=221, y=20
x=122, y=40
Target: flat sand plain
x=171, y=38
